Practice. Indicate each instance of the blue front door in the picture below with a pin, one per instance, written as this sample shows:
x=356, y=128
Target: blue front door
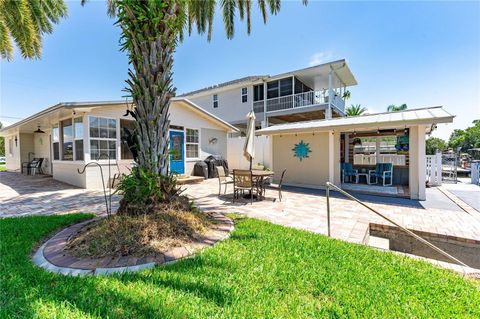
x=177, y=165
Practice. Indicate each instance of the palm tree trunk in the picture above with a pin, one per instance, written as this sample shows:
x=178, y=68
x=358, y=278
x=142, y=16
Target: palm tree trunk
x=150, y=44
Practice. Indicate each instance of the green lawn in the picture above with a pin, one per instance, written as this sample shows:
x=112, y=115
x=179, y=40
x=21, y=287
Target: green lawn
x=262, y=271
x=3, y=167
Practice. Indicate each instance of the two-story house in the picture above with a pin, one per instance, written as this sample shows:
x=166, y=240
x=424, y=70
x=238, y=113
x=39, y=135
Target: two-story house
x=312, y=93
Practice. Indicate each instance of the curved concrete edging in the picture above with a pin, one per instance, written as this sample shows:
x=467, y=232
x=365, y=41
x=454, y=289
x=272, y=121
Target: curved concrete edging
x=52, y=257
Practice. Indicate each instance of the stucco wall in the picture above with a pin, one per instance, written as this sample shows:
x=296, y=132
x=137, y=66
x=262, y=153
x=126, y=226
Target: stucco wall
x=230, y=107
x=417, y=163
x=310, y=172
x=67, y=172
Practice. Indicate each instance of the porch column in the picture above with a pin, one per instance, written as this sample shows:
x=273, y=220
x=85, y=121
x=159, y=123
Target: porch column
x=334, y=157
x=328, y=113
x=416, y=169
x=347, y=147
x=265, y=119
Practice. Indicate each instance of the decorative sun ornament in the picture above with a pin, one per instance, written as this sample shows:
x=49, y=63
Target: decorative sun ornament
x=301, y=150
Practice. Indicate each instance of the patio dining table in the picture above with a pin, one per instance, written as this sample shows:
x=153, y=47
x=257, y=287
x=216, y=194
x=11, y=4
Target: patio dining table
x=259, y=177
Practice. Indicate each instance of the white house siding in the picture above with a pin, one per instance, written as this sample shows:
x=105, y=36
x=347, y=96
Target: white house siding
x=230, y=107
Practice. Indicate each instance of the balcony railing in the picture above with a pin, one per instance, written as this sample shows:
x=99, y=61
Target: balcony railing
x=300, y=100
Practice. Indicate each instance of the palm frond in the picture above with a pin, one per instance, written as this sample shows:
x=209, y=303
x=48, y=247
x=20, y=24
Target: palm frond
x=229, y=7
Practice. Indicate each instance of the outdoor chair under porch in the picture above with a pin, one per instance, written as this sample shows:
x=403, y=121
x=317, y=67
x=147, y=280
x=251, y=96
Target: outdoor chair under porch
x=243, y=181
x=382, y=171
x=348, y=172
x=32, y=167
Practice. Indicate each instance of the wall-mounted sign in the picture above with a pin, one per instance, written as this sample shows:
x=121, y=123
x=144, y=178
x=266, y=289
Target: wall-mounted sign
x=301, y=150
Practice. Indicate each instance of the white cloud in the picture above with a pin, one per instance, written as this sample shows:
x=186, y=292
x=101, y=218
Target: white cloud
x=319, y=58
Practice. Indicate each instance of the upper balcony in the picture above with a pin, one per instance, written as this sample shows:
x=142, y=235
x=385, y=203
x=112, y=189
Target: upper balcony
x=304, y=94
x=301, y=102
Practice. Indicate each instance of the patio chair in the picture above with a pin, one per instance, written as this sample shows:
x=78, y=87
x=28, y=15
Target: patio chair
x=223, y=179
x=382, y=171
x=279, y=185
x=243, y=181
x=349, y=172
x=34, y=166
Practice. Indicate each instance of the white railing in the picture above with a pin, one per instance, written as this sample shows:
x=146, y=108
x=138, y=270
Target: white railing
x=433, y=166
x=337, y=101
x=395, y=159
x=303, y=99
x=258, y=106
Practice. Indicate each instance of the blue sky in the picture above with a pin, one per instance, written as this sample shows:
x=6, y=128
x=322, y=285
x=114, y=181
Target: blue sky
x=419, y=53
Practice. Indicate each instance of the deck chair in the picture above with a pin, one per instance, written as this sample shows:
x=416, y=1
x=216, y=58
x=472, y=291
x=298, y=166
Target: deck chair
x=382, y=171
x=349, y=172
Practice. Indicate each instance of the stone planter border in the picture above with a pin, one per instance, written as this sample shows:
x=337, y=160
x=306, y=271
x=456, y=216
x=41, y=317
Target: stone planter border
x=53, y=257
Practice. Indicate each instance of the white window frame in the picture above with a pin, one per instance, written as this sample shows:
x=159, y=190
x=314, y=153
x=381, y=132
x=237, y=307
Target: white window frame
x=244, y=94
x=192, y=143
x=62, y=141
x=77, y=138
x=56, y=126
x=104, y=139
x=215, y=101
x=10, y=146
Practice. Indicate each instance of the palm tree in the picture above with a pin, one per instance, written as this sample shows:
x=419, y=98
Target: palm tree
x=24, y=22
x=151, y=31
x=397, y=108
x=355, y=110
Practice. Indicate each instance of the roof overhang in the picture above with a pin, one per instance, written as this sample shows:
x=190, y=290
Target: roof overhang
x=199, y=110
x=46, y=118
x=316, y=76
x=423, y=116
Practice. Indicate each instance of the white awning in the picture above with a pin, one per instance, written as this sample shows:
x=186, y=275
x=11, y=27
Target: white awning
x=387, y=120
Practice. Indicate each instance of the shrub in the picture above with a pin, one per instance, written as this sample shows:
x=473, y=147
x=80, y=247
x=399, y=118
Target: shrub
x=144, y=190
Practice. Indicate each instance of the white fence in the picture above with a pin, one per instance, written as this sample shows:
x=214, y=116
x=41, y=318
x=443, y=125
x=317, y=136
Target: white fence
x=475, y=174
x=433, y=165
x=263, y=153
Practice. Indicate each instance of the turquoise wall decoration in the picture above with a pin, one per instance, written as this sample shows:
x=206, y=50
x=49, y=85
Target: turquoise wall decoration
x=301, y=150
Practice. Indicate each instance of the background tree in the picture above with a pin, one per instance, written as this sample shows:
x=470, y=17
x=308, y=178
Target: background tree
x=466, y=139
x=355, y=110
x=2, y=143
x=397, y=108
x=434, y=144
x=24, y=22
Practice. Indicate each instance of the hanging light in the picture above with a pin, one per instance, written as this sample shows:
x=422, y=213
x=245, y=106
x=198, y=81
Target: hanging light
x=38, y=130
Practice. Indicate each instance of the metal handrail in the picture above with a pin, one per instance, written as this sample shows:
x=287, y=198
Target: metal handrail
x=429, y=244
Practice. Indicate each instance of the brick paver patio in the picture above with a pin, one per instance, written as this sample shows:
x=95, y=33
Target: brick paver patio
x=22, y=195
x=306, y=209
x=301, y=208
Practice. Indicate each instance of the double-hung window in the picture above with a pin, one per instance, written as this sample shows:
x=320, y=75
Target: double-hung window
x=244, y=95
x=103, y=138
x=56, y=142
x=67, y=139
x=192, y=143
x=78, y=138
x=215, y=101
